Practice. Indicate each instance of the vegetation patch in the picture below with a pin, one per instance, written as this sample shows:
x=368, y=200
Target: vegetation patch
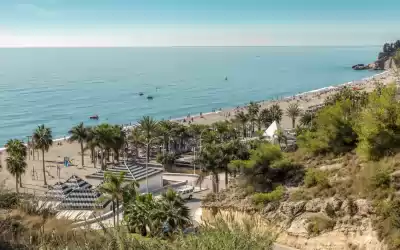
x=262, y=198
x=319, y=224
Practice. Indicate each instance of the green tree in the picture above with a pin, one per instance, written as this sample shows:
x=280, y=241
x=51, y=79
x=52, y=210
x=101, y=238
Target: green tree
x=265, y=168
x=113, y=189
x=135, y=139
x=306, y=119
x=17, y=149
x=43, y=140
x=167, y=160
x=332, y=130
x=211, y=157
x=266, y=117
x=91, y=143
x=173, y=213
x=104, y=135
x=79, y=134
x=378, y=125
x=242, y=119
x=293, y=111
x=16, y=165
x=253, y=110
x=165, y=131
x=139, y=213
x=276, y=113
x=149, y=127
x=119, y=140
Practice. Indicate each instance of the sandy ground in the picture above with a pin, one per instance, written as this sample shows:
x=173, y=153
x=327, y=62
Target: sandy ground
x=33, y=178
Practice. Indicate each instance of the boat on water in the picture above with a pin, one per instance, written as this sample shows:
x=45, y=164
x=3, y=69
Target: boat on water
x=149, y=97
x=94, y=117
x=140, y=93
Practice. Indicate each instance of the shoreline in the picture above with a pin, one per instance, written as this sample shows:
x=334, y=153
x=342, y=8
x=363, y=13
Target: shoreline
x=319, y=91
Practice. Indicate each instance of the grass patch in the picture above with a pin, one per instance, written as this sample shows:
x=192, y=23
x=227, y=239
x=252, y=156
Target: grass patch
x=315, y=177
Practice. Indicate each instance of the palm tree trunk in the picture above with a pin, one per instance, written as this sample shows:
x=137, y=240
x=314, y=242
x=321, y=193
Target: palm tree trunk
x=20, y=180
x=293, y=121
x=102, y=160
x=217, y=182
x=244, y=130
x=113, y=208
x=82, y=154
x=226, y=178
x=16, y=184
x=44, y=169
x=117, y=214
x=148, y=152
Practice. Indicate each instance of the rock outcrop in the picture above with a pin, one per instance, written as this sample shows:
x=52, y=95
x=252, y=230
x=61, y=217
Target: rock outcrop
x=350, y=223
x=385, y=59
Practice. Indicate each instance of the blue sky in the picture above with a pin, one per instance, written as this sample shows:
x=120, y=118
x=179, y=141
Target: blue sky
x=31, y=23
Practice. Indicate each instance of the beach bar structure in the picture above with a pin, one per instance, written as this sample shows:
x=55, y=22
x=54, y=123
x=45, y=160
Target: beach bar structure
x=133, y=173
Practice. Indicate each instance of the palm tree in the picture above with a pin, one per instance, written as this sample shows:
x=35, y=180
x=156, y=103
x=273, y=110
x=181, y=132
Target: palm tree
x=148, y=126
x=306, y=119
x=243, y=119
x=118, y=141
x=266, y=117
x=139, y=213
x=210, y=158
x=167, y=160
x=113, y=189
x=293, y=111
x=43, y=139
x=136, y=140
x=91, y=144
x=104, y=135
x=253, y=109
x=276, y=113
x=174, y=213
x=16, y=165
x=165, y=130
x=16, y=148
x=79, y=134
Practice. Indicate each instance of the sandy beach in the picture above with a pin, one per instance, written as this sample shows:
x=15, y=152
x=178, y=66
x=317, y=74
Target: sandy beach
x=33, y=178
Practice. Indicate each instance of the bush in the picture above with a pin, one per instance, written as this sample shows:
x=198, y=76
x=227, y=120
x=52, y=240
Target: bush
x=330, y=211
x=262, y=198
x=315, y=177
x=319, y=224
x=381, y=180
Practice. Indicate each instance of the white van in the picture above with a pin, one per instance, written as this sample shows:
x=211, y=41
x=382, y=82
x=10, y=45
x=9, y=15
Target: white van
x=186, y=192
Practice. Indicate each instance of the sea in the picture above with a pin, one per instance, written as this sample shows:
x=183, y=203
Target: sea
x=60, y=87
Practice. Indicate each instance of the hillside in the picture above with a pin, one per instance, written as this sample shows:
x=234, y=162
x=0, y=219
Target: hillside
x=339, y=190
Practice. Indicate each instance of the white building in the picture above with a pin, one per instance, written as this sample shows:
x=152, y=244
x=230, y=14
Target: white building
x=137, y=173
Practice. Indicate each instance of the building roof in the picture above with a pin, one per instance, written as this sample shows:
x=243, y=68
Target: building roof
x=132, y=172
x=83, y=199
x=58, y=191
x=77, y=182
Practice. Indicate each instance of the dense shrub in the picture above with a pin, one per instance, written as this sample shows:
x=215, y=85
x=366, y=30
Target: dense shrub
x=276, y=195
x=315, y=177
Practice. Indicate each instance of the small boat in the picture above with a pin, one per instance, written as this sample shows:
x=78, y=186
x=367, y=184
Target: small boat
x=226, y=78
x=94, y=117
x=149, y=97
x=140, y=93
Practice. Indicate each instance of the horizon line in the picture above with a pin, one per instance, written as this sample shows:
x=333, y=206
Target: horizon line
x=178, y=46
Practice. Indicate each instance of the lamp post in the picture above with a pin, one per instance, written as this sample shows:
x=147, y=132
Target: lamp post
x=147, y=163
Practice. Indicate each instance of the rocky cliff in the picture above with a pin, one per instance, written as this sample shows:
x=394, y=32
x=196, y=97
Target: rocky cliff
x=385, y=58
x=317, y=224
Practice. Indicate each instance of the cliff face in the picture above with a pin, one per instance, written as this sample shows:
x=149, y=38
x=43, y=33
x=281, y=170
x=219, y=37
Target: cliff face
x=385, y=59
x=307, y=225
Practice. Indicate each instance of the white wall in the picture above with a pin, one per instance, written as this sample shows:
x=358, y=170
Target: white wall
x=155, y=182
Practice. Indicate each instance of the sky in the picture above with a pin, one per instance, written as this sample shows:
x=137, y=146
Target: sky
x=115, y=23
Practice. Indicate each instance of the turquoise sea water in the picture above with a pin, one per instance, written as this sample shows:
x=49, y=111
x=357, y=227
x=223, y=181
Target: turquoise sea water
x=62, y=87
